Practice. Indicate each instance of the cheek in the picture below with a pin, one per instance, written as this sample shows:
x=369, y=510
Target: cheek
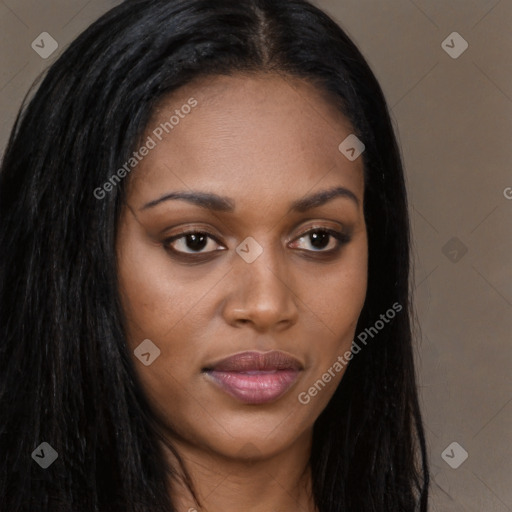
x=337, y=300
x=159, y=305
x=154, y=294
x=338, y=297
x=164, y=304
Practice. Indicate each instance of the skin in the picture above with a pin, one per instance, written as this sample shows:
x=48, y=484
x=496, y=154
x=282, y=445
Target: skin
x=263, y=141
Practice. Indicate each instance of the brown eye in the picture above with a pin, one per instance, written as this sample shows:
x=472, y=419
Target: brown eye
x=323, y=240
x=191, y=242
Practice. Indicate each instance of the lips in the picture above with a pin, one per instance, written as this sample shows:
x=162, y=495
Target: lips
x=255, y=377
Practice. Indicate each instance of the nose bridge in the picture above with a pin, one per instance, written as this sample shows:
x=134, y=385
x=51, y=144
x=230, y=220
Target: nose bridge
x=261, y=264
x=264, y=292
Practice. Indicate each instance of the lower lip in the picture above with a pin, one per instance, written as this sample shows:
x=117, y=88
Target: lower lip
x=255, y=387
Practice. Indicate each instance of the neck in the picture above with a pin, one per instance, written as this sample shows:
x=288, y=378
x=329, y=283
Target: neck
x=251, y=482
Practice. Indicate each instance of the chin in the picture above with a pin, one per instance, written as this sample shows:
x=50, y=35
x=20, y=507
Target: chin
x=255, y=440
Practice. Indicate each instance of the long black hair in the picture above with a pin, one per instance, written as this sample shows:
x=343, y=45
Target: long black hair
x=66, y=376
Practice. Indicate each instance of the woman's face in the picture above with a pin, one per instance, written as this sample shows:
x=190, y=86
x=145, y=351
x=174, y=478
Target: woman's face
x=259, y=272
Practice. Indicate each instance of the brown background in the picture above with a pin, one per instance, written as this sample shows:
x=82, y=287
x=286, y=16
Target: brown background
x=454, y=121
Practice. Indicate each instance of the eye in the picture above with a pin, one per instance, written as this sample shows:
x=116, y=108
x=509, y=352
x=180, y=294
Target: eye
x=321, y=238
x=195, y=241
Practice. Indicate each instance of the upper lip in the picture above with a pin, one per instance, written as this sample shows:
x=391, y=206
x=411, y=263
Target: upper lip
x=256, y=361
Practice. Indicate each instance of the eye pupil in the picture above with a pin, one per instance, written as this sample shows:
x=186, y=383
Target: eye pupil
x=198, y=241
x=319, y=239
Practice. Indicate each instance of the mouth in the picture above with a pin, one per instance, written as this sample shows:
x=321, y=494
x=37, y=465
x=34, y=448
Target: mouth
x=255, y=377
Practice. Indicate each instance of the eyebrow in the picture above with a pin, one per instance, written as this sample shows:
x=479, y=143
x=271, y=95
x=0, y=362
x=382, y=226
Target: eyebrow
x=218, y=203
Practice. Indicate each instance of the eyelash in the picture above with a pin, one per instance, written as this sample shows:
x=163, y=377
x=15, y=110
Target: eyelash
x=340, y=237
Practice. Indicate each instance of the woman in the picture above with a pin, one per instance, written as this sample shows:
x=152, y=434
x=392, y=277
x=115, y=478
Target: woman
x=204, y=295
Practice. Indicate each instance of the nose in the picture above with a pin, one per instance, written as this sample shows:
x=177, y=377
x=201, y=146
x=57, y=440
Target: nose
x=263, y=293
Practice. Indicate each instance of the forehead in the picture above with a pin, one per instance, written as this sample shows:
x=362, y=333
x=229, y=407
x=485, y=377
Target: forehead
x=246, y=134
